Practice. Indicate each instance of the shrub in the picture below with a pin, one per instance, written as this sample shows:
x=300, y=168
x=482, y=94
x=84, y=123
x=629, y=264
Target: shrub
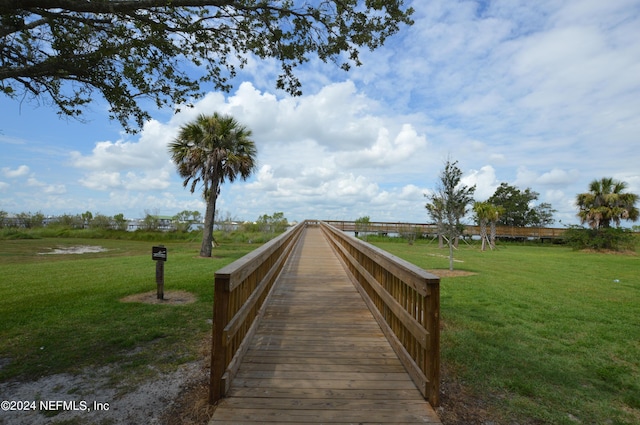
x=617, y=239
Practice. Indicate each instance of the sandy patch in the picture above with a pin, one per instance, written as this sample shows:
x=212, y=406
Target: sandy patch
x=79, y=249
x=91, y=399
x=170, y=298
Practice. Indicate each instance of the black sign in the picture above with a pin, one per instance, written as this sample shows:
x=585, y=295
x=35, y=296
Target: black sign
x=159, y=253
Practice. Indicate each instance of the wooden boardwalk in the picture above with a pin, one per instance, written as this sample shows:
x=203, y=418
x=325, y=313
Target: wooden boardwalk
x=319, y=356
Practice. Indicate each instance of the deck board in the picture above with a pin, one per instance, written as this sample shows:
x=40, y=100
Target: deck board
x=319, y=356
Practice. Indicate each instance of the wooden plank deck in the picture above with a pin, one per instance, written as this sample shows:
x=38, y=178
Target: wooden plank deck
x=319, y=356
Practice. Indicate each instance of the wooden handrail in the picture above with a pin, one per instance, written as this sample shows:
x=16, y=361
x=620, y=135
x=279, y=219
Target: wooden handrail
x=404, y=299
x=432, y=229
x=241, y=291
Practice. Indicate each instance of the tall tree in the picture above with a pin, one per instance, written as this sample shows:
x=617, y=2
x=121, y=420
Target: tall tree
x=541, y=215
x=451, y=199
x=209, y=151
x=516, y=203
x=606, y=202
x=62, y=51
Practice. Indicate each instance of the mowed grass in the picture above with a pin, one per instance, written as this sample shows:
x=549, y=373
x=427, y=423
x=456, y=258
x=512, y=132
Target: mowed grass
x=62, y=313
x=542, y=334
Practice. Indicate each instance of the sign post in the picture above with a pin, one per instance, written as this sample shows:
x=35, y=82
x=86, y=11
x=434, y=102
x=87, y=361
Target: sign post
x=159, y=254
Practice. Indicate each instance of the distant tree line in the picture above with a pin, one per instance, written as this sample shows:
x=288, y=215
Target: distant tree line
x=185, y=221
x=86, y=220
x=275, y=223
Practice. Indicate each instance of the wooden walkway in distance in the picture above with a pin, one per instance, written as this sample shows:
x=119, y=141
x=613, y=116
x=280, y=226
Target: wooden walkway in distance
x=319, y=356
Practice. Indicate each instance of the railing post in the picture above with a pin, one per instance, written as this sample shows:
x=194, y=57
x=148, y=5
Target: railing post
x=433, y=354
x=219, y=349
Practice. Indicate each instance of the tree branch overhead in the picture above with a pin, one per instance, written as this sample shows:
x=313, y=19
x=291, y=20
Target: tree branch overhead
x=123, y=49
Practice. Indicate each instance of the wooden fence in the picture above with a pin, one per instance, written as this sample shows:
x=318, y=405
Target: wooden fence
x=510, y=232
x=404, y=299
x=241, y=292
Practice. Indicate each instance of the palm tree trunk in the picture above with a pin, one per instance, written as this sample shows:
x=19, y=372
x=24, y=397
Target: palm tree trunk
x=209, y=216
x=483, y=233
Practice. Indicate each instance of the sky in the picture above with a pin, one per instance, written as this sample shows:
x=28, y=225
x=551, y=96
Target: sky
x=542, y=95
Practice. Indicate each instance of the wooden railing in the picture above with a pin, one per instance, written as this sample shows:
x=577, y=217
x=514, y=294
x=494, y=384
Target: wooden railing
x=241, y=291
x=404, y=299
x=432, y=229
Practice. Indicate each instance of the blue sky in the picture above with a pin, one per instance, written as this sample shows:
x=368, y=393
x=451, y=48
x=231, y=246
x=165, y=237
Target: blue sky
x=542, y=95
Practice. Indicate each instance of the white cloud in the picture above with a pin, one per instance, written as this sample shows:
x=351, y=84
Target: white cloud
x=148, y=152
x=21, y=171
x=143, y=164
x=102, y=180
x=557, y=177
x=484, y=180
x=385, y=151
x=553, y=178
x=110, y=180
x=47, y=189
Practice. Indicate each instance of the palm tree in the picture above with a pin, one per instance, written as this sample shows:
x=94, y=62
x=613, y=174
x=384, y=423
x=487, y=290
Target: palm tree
x=482, y=217
x=606, y=202
x=494, y=214
x=209, y=151
x=487, y=213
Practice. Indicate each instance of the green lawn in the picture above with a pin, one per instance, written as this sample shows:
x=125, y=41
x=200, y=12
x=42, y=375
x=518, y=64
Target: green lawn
x=60, y=313
x=544, y=334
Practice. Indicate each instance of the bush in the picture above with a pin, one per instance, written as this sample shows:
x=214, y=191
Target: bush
x=617, y=239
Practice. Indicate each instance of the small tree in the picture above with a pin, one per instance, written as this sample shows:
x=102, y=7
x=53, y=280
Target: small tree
x=101, y=221
x=362, y=225
x=29, y=220
x=451, y=199
x=119, y=222
x=482, y=218
x=436, y=212
x=185, y=219
x=276, y=223
x=70, y=221
x=86, y=219
x=487, y=213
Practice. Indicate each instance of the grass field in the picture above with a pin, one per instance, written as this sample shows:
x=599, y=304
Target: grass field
x=543, y=334
x=61, y=313
x=540, y=334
